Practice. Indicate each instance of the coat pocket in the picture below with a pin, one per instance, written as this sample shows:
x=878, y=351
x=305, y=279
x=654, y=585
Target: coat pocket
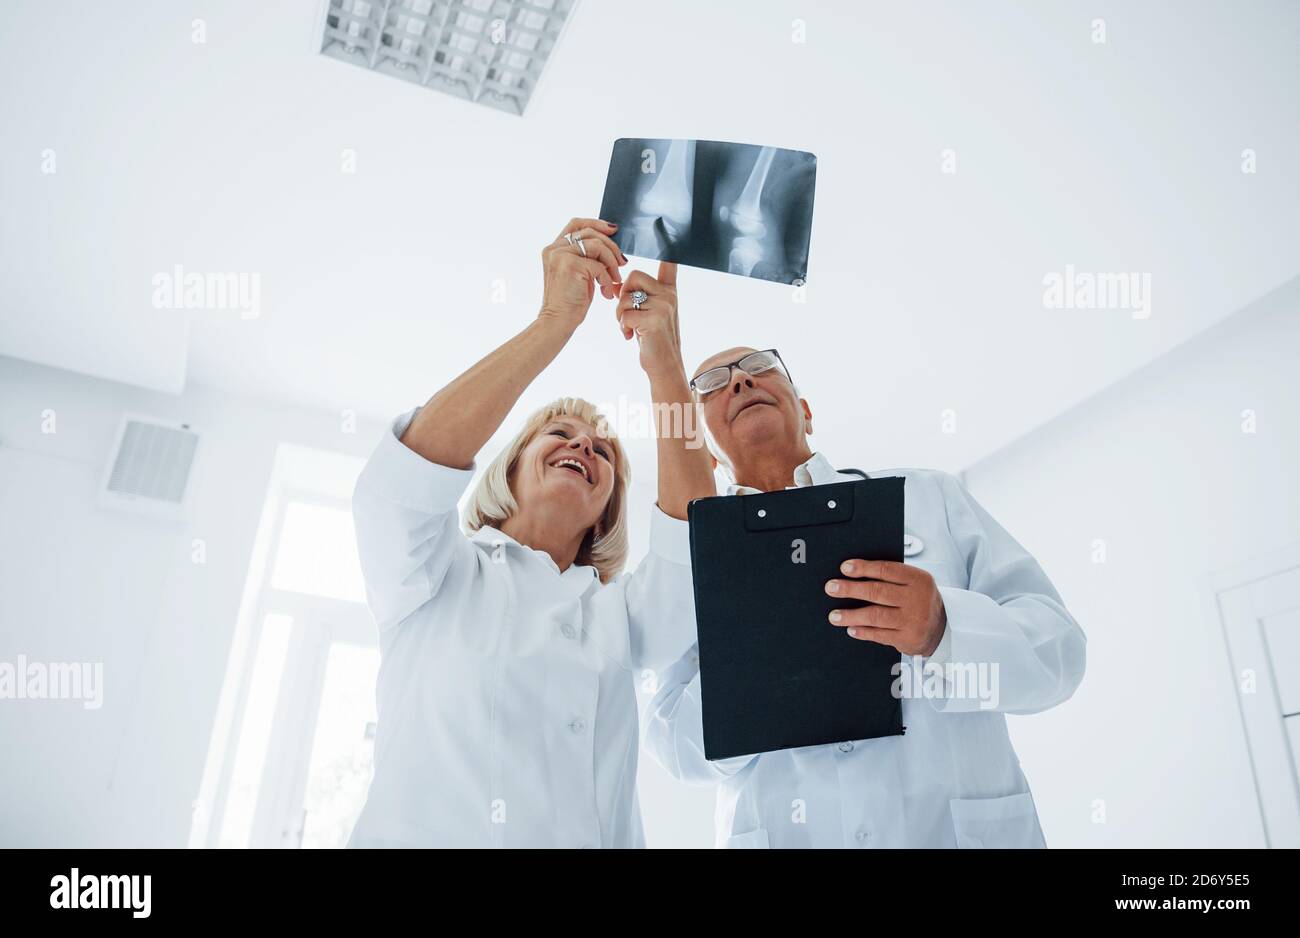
x=752, y=840
x=1009, y=822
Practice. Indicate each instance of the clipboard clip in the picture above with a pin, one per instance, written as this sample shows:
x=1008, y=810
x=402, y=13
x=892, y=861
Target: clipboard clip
x=803, y=507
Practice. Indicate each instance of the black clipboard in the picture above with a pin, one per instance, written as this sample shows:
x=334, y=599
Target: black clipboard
x=774, y=672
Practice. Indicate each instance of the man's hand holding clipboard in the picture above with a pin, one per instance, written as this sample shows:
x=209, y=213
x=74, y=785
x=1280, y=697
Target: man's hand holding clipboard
x=906, y=610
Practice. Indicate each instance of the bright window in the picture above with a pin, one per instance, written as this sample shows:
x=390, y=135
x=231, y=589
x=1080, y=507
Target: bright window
x=318, y=553
x=292, y=758
x=342, y=755
x=250, y=756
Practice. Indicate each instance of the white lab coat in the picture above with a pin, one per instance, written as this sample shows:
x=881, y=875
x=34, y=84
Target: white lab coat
x=953, y=780
x=507, y=716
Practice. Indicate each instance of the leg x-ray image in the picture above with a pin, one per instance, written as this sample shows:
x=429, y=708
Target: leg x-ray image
x=735, y=207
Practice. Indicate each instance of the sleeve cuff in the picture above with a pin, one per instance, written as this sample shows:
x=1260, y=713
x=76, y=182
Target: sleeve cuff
x=669, y=537
x=960, y=606
x=943, y=653
x=398, y=473
x=961, y=609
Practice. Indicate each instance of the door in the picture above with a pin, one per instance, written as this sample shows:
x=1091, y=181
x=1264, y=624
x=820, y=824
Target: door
x=1261, y=623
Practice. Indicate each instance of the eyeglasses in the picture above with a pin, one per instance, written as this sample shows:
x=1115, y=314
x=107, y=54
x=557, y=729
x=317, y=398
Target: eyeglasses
x=753, y=364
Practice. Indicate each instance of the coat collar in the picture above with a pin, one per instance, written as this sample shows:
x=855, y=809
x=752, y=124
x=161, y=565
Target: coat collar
x=816, y=471
x=492, y=538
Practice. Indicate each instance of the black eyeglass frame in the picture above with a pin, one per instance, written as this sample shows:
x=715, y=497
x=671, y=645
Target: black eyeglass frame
x=769, y=351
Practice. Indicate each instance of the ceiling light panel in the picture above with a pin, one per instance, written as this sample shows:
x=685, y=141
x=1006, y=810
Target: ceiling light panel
x=489, y=51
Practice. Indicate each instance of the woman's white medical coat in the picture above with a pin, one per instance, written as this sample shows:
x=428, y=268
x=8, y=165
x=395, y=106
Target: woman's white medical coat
x=507, y=716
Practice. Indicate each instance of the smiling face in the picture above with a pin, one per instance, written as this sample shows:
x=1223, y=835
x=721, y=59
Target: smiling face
x=571, y=466
x=752, y=412
x=559, y=479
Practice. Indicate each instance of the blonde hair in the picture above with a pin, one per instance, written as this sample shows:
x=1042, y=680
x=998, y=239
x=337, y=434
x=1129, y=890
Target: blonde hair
x=493, y=502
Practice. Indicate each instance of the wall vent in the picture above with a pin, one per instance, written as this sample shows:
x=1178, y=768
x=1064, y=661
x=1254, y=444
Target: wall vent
x=150, y=467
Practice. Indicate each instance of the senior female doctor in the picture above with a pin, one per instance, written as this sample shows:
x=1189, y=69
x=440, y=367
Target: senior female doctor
x=507, y=716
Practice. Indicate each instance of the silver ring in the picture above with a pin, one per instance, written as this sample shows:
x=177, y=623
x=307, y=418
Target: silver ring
x=638, y=297
x=581, y=247
x=568, y=237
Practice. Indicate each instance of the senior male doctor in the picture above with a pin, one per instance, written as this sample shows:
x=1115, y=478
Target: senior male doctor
x=966, y=600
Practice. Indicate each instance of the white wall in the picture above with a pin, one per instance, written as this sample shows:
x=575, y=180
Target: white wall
x=83, y=583
x=1158, y=467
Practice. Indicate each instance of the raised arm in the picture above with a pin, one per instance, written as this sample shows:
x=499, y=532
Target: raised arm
x=660, y=599
x=453, y=426
x=404, y=505
x=685, y=469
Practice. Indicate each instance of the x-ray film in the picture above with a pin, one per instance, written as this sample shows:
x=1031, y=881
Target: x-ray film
x=734, y=207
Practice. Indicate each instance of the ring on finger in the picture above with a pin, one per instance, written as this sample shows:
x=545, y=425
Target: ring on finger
x=581, y=246
x=568, y=237
x=638, y=297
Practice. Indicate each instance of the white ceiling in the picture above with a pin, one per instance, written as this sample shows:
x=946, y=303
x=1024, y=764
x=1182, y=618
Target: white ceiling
x=925, y=290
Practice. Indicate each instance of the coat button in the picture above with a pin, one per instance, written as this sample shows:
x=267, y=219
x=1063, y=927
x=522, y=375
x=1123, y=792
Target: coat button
x=846, y=747
x=862, y=837
x=577, y=726
x=912, y=545
x=567, y=631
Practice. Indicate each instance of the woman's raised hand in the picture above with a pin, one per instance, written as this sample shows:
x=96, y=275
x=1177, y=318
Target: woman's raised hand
x=582, y=256
x=457, y=421
x=653, y=320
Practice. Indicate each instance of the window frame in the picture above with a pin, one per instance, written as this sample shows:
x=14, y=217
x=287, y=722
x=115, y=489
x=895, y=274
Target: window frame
x=318, y=622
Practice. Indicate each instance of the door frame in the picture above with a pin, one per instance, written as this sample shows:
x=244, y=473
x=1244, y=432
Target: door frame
x=1214, y=587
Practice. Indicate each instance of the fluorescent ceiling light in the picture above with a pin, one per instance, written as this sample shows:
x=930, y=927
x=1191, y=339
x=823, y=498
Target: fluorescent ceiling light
x=489, y=51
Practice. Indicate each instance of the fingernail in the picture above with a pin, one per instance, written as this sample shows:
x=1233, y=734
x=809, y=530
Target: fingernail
x=846, y=567
x=854, y=632
x=624, y=256
x=835, y=616
x=832, y=587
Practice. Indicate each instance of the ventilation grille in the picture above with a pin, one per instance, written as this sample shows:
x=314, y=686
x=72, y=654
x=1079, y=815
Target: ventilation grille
x=489, y=51
x=152, y=463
